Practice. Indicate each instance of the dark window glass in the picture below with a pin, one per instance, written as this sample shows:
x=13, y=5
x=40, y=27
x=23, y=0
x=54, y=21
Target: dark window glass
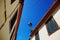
x=37, y=36
x=51, y=26
x=12, y=1
x=12, y=21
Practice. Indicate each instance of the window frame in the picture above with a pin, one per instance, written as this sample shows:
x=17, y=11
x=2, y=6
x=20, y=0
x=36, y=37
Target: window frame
x=13, y=20
x=55, y=23
x=37, y=34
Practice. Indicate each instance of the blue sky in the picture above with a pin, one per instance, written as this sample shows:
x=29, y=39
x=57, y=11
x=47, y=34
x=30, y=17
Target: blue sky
x=33, y=11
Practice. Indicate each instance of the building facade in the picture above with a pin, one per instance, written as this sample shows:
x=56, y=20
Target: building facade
x=10, y=13
x=49, y=27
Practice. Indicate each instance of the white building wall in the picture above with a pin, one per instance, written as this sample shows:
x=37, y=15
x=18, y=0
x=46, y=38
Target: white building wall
x=43, y=34
x=5, y=31
x=57, y=17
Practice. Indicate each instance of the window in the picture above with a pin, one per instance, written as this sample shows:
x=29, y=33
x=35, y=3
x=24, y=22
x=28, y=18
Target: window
x=37, y=36
x=51, y=26
x=12, y=21
x=12, y=1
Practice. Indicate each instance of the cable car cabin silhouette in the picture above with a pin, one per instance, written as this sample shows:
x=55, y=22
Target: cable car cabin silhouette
x=10, y=13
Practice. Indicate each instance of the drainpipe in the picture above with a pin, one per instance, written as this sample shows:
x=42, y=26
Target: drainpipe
x=18, y=17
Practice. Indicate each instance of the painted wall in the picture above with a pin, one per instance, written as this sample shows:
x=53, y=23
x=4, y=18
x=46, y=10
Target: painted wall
x=5, y=31
x=2, y=10
x=10, y=7
x=57, y=16
x=43, y=34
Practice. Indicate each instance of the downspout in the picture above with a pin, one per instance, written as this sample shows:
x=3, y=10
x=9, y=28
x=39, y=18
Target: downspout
x=18, y=17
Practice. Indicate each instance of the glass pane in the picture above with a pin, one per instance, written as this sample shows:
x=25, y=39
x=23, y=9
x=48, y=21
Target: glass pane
x=51, y=26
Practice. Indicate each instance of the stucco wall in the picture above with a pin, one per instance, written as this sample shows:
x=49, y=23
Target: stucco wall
x=2, y=10
x=43, y=34
x=4, y=32
x=10, y=7
x=57, y=16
